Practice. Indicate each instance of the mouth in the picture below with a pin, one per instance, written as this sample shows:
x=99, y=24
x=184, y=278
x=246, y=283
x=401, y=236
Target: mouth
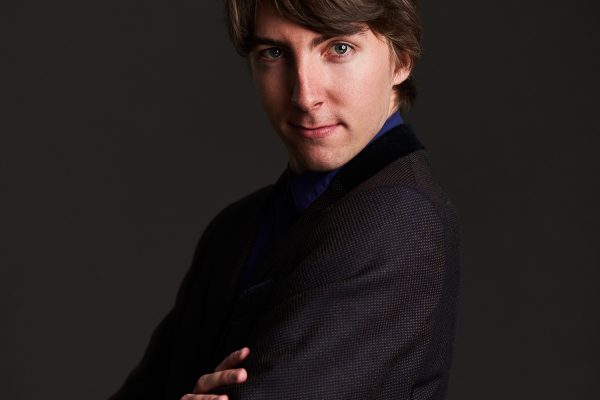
x=314, y=132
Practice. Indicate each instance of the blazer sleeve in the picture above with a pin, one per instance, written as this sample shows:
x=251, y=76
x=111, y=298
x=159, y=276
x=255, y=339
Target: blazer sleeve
x=368, y=313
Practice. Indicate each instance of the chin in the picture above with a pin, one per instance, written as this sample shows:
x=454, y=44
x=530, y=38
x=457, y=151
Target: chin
x=318, y=162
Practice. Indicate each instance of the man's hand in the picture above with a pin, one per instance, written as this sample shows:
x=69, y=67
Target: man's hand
x=225, y=374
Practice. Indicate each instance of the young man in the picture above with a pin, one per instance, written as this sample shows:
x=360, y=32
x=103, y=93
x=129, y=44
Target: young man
x=340, y=280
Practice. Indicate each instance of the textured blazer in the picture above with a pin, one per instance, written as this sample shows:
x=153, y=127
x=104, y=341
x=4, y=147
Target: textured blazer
x=356, y=301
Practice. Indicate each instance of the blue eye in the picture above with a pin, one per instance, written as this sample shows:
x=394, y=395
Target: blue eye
x=341, y=48
x=273, y=52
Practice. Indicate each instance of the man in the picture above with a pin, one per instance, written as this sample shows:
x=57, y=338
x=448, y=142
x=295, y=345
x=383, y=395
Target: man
x=339, y=281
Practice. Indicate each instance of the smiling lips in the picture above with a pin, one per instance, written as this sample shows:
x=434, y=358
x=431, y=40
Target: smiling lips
x=316, y=132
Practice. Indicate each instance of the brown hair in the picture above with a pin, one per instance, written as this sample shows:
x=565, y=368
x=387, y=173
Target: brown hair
x=397, y=20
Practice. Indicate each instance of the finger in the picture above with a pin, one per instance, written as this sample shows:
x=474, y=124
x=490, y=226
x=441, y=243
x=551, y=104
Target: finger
x=204, y=397
x=208, y=382
x=232, y=360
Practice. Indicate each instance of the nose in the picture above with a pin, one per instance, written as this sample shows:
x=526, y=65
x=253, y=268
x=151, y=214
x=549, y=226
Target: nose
x=307, y=93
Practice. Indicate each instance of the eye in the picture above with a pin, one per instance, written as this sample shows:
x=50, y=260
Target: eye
x=272, y=53
x=341, y=49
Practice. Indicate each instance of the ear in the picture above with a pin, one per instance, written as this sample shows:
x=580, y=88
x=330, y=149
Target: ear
x=402, y=68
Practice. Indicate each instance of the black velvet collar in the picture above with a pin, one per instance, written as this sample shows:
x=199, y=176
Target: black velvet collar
x=396, y=143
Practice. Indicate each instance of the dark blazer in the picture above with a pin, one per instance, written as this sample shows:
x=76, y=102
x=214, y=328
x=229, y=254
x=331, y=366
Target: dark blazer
x=356, y=301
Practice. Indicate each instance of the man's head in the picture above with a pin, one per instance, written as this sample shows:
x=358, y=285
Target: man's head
x=329, y=72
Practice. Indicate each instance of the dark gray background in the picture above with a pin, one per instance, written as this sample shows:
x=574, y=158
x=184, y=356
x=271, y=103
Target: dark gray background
x=126, y=125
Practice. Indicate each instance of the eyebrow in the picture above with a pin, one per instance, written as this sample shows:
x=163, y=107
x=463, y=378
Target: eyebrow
x=259, y=40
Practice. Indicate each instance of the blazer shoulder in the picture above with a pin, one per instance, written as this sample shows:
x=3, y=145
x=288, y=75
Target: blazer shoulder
x=407, y=185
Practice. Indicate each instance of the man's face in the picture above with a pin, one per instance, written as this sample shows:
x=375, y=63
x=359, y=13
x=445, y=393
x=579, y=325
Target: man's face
x=325, y=96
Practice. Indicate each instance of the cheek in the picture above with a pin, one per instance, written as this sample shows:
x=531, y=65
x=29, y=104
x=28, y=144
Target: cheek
x=271, y=88
x=363, y=82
